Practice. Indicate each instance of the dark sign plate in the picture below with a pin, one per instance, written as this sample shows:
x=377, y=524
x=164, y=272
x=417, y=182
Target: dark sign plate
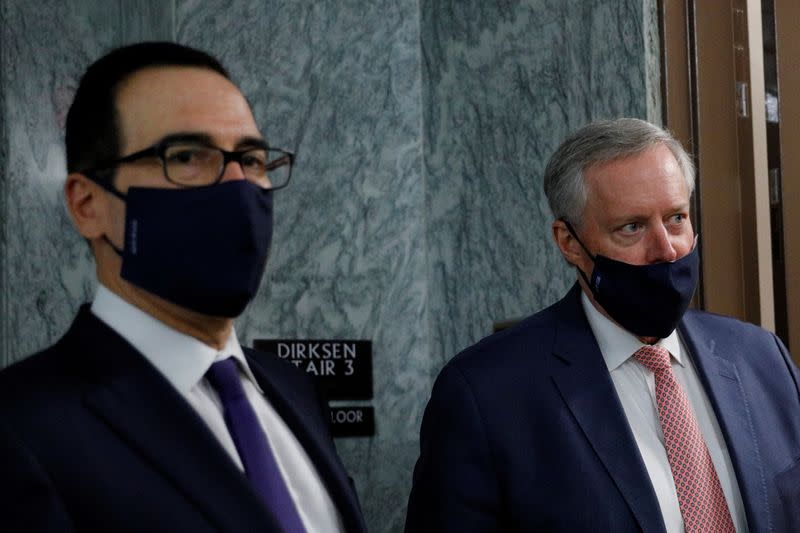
x=353, y=421
x=342, y=367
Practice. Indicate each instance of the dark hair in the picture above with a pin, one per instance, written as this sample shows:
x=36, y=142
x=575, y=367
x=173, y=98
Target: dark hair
x=92, y=134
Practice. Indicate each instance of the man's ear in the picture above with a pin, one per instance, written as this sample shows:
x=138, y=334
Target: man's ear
x=87, y=204
x=570, y=248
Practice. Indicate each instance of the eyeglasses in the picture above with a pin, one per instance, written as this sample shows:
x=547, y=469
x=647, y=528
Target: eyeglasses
x=196, y=164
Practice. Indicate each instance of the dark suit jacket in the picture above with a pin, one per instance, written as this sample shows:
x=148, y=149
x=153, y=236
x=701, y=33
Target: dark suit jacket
x=524, y=431
x=93, y=438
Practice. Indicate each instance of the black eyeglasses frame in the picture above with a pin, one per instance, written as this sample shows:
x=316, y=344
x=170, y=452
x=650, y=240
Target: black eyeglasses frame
x=159, y=149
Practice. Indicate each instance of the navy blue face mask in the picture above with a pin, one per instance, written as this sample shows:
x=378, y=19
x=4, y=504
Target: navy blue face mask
x=647, y=300
x=202, y=248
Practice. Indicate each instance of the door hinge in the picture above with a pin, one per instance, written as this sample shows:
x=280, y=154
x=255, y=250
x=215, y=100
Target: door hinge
x=742, y=99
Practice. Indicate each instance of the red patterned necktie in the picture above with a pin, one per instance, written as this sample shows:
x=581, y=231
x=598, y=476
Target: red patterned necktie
x=700, y=495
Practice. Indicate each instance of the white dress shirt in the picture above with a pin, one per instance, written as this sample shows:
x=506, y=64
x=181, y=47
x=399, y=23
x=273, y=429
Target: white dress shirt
x=184, y=360
x=636, y=389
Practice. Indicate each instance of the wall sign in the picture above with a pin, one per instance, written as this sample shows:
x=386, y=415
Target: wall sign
x=352, y=421
x=342, y=367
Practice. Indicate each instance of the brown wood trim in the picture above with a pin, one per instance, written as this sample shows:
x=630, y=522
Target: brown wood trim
x=704, y=54
x=678, y=89
x=718, y=169
x=787, y=15
x=676, y=70
x=754, y=175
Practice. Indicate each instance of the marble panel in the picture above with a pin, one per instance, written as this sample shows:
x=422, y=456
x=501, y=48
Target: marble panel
x=652, y=58
x=4, y=311
x=48, y=270
x=339, y=83
x=503, y=84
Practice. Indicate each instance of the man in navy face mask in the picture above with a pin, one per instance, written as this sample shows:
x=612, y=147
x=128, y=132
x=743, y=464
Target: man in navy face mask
x=616, y=409
x=148, y=415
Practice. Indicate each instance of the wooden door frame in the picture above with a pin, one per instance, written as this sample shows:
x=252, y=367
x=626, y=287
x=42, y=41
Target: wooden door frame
x=702, y=61
x=787, y=13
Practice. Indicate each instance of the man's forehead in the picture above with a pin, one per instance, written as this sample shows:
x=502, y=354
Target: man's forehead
x=157, y=101
x=650, y=166
x=624, y=186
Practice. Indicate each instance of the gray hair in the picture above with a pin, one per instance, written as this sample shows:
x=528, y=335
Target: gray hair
x=601, y=142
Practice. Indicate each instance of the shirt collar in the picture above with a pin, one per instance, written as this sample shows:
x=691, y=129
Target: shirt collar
x=618, y=344
x=182, y=359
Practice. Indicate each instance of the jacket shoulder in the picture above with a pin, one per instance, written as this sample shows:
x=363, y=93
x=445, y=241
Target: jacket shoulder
x=510, y=350
x=68, y=360
x=726, y=327
x=44, y=370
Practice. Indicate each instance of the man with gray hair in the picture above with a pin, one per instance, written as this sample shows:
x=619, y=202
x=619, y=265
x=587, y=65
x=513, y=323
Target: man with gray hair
x=616, y=409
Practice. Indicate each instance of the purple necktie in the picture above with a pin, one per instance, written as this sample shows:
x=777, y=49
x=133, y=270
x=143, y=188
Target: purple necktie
x=253, y=446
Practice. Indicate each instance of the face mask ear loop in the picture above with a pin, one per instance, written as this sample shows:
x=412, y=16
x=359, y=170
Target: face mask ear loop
x=108, y=186
x=111, y=244
x=105, y=184
x=575, y=235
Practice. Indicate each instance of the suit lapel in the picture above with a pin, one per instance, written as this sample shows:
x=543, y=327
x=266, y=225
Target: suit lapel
x=131, y=397
x=292, y=400
x=723, y=386
x=586, y=387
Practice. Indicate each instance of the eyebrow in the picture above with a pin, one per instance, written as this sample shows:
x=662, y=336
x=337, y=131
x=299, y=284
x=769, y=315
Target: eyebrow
x=252, y=142
x=636, y=217
x=204, y=138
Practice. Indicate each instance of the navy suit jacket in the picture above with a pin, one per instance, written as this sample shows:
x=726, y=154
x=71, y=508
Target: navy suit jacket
x=94, y=438
x=524, y=431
